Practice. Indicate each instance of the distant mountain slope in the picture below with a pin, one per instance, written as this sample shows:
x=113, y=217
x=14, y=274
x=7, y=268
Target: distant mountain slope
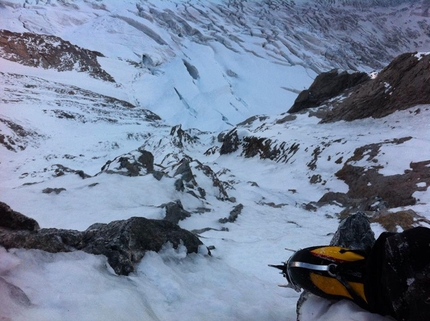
x=223, y=61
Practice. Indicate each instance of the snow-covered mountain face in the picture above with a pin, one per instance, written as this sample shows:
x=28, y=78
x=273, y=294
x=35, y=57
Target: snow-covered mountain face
x=88, y=87
x=212, y=64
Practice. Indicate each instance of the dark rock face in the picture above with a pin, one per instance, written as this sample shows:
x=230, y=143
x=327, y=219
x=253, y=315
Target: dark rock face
x=354, y=233
x=402, y=84
x=124, y=242
x=50, y=52
x=181, y=137
x=230, y=142
x=185, y=172
x=49, y=240
x=234, y=213
x=13, y=220
x=135, y=163
x=252, y=146
x=326, y=86
x=175, y=212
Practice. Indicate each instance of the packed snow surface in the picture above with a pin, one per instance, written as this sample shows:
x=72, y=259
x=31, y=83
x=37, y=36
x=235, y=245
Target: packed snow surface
x=206, y=65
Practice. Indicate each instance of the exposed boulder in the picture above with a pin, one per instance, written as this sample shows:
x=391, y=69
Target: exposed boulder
x=175, y=212
x=13, y=220
x=402, y=84
x=234, y=213
x=50, y=52
x=124, y=242
x=354, y=233
x=136, y=163
x=326, y=86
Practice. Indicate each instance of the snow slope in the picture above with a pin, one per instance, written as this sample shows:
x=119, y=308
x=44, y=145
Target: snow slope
x=206, y=65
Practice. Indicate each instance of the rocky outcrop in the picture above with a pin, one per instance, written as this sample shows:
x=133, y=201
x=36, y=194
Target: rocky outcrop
x=15, y=137
x=396, y=190
x=230, y=142
x=234, y=213
x=124, y=242
x=50, y=52
x=136, y=163
x=175, y=212
x=354, y=233
x=327, y=85
x=370, y=190
x=402, y=84
x=13, y=220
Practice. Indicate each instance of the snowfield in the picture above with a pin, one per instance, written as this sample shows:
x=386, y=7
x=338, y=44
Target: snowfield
x=207, y=66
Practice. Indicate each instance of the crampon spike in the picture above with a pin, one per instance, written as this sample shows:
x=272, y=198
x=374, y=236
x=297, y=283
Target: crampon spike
x=280, y=267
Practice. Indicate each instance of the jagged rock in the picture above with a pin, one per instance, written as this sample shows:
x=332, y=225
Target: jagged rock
x=230, y=142
x=124, y=242
x=180, y=136
x=13, y=220
x=136, y=163
x=60, y=170
x=400, y=85
x=50, y=190
x=234, y=213
x=49, y=240
x=253, y=146
x=268, y=149
x=175, y=212
x=184, y=170
x=326, y=86
x=216, y=182
x=354, y=233
x=147, y=160
x=37, y=50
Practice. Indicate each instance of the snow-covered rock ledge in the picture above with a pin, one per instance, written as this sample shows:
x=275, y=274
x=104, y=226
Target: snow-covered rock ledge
x=123, y=242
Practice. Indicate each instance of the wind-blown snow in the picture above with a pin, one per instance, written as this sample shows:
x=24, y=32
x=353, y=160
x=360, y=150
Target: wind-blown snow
x=203, y=65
